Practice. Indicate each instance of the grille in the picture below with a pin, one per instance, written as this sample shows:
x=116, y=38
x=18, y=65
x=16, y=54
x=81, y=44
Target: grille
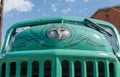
x=58, y=68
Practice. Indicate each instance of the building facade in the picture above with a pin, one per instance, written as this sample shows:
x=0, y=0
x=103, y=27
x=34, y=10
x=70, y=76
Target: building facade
x=110, y=14
x=1, y=18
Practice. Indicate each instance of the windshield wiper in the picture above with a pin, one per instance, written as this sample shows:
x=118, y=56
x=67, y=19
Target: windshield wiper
x=98, y=27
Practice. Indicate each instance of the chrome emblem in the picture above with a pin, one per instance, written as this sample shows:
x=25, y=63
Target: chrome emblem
x=58, y=33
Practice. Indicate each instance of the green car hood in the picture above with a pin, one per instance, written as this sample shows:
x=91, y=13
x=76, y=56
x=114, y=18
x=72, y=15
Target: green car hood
x=78, y=38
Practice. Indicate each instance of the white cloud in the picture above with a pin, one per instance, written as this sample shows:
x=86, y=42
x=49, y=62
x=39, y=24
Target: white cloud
x=54, y=8
x=39, y=10
x=86, y=1
x=80, y=11
x=69, y=0
x=59, y=0
x=65, y=11
x=18, y=5
x=44, y=14
x=85, y=9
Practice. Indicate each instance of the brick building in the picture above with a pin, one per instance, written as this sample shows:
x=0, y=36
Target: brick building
x=1, y=17
x=110, y=14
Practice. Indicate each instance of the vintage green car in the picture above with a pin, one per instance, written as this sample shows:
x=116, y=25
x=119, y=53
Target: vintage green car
x=61, y=47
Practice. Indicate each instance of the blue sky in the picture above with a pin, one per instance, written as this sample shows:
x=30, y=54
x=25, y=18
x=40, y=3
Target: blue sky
x=20, y=10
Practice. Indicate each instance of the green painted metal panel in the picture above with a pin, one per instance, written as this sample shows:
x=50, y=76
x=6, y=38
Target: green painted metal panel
x=7, y=69
x=58, y=68
x=41, y=68
x=29, y=68
x=71, y=68
x=18, y=68
x=106, y=66
x=84, y=74
x=84, y=39
x=95, y=68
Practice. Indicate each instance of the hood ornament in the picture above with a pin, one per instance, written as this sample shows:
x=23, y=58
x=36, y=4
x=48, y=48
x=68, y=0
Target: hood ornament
x=58, y=33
